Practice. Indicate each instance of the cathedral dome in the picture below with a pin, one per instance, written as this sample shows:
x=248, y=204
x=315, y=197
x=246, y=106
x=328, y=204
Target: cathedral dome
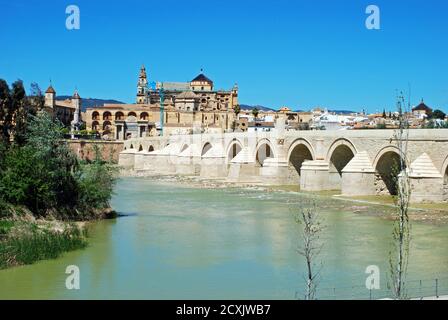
x=187, y=95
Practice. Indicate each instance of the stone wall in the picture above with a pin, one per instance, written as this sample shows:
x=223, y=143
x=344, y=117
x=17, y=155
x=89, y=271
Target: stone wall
x=85, y=149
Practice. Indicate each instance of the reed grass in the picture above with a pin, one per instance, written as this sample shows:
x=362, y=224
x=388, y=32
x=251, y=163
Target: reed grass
x=26, y=244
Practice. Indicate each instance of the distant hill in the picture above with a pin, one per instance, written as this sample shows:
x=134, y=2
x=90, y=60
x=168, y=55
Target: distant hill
x=91, y=102
x=341, y=111
x=248, y=107
x=261, y=108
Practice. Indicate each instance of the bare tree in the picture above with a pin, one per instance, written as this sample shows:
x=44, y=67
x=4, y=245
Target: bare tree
x=399, y=255
x=311, y=228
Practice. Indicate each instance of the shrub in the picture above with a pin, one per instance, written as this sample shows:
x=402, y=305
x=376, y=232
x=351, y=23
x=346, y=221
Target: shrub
x=45, y=175
x=96, y=182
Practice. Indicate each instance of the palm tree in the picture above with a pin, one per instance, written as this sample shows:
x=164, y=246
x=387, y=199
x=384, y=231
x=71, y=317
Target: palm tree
x=237, y=110
x=255, y=112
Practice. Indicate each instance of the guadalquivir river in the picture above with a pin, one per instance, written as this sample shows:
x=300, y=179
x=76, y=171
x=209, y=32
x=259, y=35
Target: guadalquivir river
x=179, y=242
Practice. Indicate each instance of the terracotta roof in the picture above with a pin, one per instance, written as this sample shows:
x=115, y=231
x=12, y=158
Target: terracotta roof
x=76, y=95
x=64, y=104
x=50, y=90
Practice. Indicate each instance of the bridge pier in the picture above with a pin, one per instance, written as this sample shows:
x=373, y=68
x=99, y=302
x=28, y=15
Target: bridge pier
x=127, y=159
x=274, y=171
x=426, y=181
x=189, y=160
x=358, y=176
x=213, y=162
x=242, y=168
x=243, y=172
x=315, y=176
x=213, y=168
x=139, y=160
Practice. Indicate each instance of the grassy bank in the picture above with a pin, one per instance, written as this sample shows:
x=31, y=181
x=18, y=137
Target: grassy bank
x=25, y=242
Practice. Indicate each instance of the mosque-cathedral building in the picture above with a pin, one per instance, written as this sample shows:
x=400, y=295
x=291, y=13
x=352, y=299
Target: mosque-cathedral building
x=188, y=107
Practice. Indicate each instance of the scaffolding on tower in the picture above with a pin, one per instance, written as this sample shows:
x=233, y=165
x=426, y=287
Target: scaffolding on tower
x=162, y=107
x=152, y=85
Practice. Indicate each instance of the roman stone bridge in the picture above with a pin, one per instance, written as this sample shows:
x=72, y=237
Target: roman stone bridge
x=357, y=162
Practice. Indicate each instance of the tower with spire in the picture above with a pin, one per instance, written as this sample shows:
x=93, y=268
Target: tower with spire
x=50, y=97
x=76, y=104
x=142, y=86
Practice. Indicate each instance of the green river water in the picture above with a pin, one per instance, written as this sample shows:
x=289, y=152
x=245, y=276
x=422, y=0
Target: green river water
x=179, y=242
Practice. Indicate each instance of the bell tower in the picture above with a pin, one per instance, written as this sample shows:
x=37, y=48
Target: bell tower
x=142, y=86
x=76, y=103
x=50, y=96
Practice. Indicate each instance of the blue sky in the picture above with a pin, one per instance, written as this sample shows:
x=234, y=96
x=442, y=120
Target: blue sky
x=296, y=53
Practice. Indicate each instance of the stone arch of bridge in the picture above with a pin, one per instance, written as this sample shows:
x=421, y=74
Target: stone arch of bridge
x=445, y=177
x=299, y=151
x=339, y=155
x=235, y=146
x=387, y=169
x=206, y=148
x=184, y=147
x=263, y=150
x=150, y=148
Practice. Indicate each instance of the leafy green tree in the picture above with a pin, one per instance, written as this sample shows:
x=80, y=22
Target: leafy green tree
x=96, y=182
x=37, y=99
x=19, y=111
x=45, y=137
x=438, y=114
x=23, y=182
x=39, y=170
x=5, y=109
x=39, y=174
